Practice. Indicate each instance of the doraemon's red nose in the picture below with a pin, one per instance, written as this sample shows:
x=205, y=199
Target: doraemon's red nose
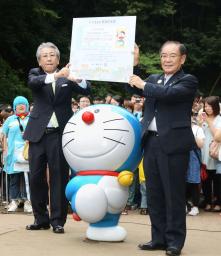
x=88, y=117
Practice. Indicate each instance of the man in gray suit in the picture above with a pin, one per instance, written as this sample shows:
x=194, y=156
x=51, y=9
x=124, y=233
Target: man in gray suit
x=167, y=140
x=52, y=94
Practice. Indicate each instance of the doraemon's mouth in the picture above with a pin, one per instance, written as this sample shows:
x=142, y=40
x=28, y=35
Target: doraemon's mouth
x=92, y=154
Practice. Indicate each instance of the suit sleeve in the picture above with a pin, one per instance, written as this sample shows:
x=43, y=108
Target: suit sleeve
x=35, y=79
x=134, y=90
x=184, y=89
x=84, y=91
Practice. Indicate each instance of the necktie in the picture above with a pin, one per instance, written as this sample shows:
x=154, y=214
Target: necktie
x=53, y=87
x=165, y=80
x=53, y=119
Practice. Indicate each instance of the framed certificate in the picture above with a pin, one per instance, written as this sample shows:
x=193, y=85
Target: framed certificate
x=102, y=48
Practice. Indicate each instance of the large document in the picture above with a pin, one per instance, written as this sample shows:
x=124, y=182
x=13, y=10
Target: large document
x=102, y=48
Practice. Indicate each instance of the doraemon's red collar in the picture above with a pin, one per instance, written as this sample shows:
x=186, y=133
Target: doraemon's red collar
x=22, y=115
x=97, y=172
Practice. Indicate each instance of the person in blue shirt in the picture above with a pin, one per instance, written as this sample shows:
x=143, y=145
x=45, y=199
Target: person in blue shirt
x=14, y=163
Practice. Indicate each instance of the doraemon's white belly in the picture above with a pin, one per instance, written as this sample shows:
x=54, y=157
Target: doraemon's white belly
x=94, y=201
x=116, y=194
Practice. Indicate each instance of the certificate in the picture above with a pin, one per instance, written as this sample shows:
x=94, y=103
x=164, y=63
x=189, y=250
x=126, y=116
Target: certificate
x=102, y=48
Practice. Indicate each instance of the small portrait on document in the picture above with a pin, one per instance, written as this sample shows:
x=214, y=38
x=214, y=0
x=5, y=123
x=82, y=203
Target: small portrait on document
x=120, y=37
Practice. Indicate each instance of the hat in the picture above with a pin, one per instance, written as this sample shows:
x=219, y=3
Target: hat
x=20, y=100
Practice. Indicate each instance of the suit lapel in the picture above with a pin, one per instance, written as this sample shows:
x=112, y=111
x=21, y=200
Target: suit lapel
x=177, y=76
x=48, y=87
x=59, y=82
x=160, y=80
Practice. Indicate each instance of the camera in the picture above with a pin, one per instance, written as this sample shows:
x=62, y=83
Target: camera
x=8, y=110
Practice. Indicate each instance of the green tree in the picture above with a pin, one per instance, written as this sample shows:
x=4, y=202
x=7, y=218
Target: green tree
x=10, y=84
x=26, y=23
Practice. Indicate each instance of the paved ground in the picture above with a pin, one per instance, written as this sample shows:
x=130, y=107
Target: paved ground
x=203, y=238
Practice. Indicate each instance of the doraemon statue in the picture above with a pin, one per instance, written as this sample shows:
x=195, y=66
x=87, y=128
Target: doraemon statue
x=101, y=143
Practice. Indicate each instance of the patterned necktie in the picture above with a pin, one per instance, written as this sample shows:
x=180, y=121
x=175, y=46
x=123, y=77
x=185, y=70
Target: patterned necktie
x=164, y=80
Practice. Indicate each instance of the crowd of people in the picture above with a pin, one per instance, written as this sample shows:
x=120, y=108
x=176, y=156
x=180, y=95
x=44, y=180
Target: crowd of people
x=178, y=127
x=204, y=194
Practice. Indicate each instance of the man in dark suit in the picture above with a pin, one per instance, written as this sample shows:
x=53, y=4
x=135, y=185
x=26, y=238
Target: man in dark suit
x=52, y=94
x=167, y=140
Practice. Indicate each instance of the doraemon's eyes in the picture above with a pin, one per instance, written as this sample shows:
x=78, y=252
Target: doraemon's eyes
x=96, y=110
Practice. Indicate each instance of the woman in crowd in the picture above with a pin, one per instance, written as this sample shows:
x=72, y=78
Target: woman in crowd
x=117, y=100
x=14, y=163
x=210, y=121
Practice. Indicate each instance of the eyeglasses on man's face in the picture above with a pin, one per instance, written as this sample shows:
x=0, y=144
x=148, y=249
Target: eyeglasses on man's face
x=169, y=56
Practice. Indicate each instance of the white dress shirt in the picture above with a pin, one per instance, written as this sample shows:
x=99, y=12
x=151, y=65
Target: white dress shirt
x=51, y=79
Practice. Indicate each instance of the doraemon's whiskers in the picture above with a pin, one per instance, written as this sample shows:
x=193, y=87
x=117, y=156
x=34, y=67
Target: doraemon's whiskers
x=71, y=123
x=68, y=132
x=117, y=119
x=114, y=140
x=68, y=143
x=116, y=130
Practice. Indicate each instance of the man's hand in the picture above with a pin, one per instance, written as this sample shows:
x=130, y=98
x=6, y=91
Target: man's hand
x=73, y=78
x=137, y=82
x=136, y=55
x=64, y=72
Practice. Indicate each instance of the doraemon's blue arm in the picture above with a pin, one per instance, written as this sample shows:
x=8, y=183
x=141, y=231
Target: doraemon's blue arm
x=76, y=183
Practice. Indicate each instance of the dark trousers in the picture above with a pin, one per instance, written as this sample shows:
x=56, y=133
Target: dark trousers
x=193, y=193
x=165, y=184
x=218, y=202
x=48, y=152
x=211, y=188
x=16, y=186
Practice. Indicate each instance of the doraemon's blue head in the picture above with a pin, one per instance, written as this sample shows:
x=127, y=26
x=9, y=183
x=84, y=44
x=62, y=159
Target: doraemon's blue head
x=102, y=137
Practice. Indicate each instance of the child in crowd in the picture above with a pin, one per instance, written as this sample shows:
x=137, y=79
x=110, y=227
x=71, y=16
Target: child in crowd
x=15, y=165
x=143, y=203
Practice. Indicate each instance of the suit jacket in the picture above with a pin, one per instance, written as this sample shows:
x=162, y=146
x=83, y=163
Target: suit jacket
x=171, y=104
x=46, y=102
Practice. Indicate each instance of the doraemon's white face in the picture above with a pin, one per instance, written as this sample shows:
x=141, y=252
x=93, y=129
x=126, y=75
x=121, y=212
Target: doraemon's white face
x=98, y=138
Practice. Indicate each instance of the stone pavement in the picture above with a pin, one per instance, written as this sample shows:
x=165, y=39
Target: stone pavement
x=203, y=237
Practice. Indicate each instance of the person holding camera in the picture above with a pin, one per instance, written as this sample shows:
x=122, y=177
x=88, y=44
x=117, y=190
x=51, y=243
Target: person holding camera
x=210, y=120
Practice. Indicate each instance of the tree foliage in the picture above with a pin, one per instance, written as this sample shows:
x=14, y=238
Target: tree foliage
x=27, y=23
x=10, y=85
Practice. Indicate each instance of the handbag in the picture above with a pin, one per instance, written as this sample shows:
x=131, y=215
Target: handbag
x=214, y=149
x=203, y=171
x=25, y=150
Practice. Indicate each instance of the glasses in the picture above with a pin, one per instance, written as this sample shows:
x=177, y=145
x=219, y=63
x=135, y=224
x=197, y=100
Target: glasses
x=84, y=101
x=170, y=56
